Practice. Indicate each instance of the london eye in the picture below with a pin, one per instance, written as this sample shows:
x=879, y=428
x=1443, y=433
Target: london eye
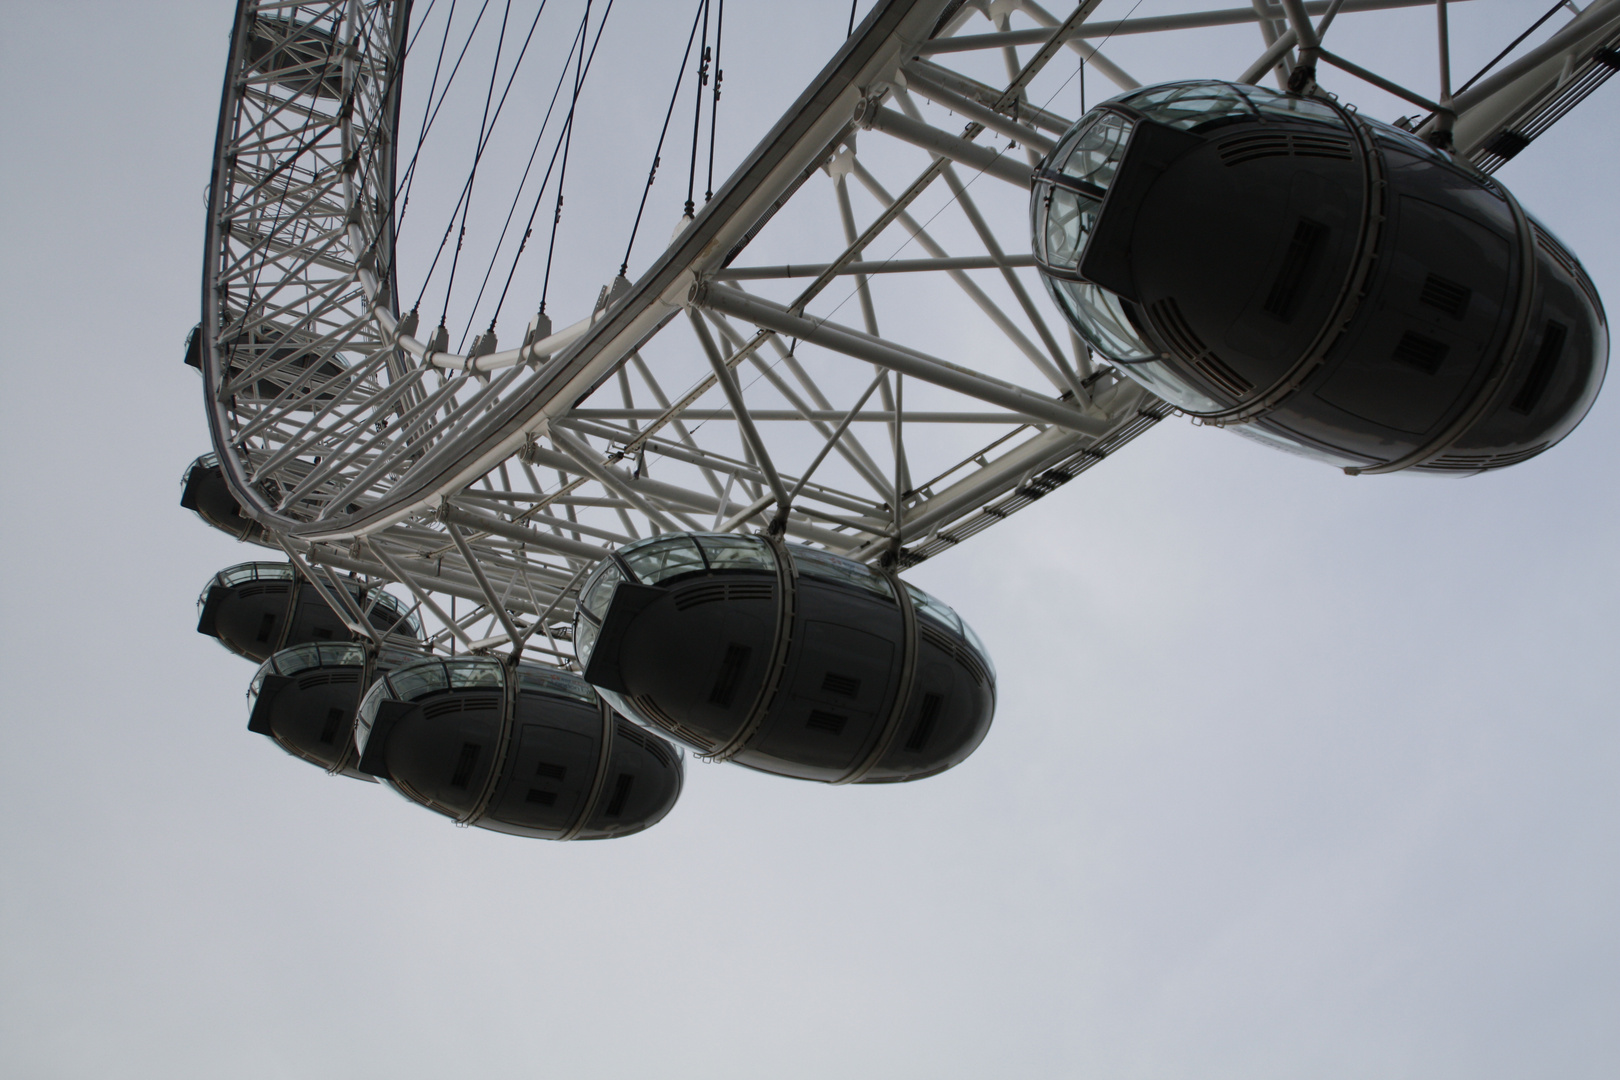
x=666, y=497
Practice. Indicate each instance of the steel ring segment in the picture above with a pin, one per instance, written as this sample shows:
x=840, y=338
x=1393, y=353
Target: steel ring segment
x=794, y=147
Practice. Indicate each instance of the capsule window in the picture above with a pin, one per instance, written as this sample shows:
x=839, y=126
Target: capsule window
x=731, y=672
x=926, y=719
x=829, y=567
x=418, y=680
x=727, y=551
x=600, y=593
x=465, y=762
x=556, y=684
x=935, y=608
x=663, y=559
x=470, y=673
x=621, y=793
x=1283, y=299
x=329, y=730
x=1541, y=371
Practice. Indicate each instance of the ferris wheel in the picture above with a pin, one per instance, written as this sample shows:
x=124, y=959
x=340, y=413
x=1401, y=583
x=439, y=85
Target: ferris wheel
x=520, y=557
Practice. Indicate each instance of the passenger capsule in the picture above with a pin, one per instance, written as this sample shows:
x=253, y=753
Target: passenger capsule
x=259, y=608
x=205, y=493
x=1322, y=282
x=530, y=750
x=305, y=698
x=784, y=658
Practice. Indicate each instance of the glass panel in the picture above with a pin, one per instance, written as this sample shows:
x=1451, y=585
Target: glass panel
x=1162, y=379
x=599, y=592
x=1394, y=138
x=1100, y=318
x=342, y=655
x=298, y=658
x=1069, y=220
x=730, y=551
x=1190, y=105
x=585, y=633
x=257, y=571
x=367, y=714
x=1273, y=103
x=475, y=672
x=418, y=680
x=937, y=609
x=1096, y=157
x=663, y=558
x=538, y=680
x=984, y=653
x=391, y=609
x=257, y=684
x=830, y=567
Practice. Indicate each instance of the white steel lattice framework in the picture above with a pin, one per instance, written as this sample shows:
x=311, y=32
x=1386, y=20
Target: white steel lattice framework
x=752, y=391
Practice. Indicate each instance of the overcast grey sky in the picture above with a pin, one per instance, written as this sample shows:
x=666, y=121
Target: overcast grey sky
x=1292, y=774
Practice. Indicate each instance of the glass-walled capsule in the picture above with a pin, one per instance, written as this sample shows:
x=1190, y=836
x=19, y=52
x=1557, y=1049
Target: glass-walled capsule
x=205, y=493
x=305, y=698
x=531, y=750
x=784, y=658
x=258, y=608
x=1319, y=281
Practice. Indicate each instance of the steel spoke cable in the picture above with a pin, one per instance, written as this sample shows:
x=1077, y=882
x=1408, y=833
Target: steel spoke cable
x=652, y=173
x=517, y=196
x=714, y=107
x=568, y=142
x=429, y=117
x=486, y=133
x=697, y=109
x=1515, y=44
x=528, y=229
x=485, y=130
